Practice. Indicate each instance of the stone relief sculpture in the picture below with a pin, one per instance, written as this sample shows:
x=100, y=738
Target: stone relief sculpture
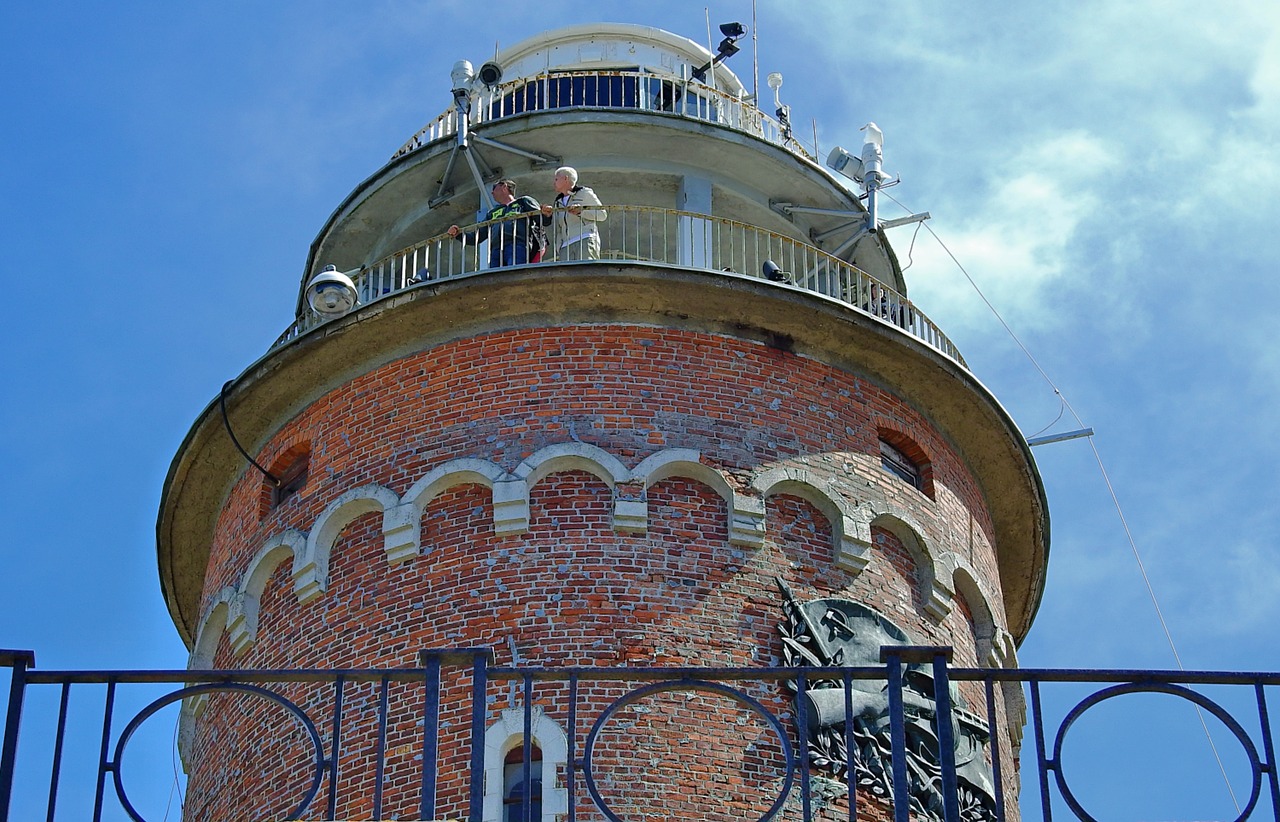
x=839, y=632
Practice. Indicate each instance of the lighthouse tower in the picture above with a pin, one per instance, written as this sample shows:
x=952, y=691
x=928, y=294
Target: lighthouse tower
x=728, y=441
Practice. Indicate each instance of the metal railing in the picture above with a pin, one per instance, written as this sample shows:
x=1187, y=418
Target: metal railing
x=612, y=90
x=452, y=699
x=650, y=235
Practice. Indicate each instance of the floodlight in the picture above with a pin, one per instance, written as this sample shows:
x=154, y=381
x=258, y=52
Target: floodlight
x=331, y=293
x=726, y=49
x=845, y=163
x=774, y=274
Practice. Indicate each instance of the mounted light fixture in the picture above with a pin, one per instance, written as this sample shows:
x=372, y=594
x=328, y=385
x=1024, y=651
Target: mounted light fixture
x=490, y=74
x=845, y=163
x=783, y=112
x=462, y=75
x=331, y=293
x=773, y=273
x=864, y=170
x=728, y=47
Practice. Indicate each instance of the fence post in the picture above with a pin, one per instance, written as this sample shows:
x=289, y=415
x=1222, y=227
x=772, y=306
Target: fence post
x=430, y=660
x=480, y=659
x=18, y=662
x=892, y=656
x=895, y=656
x=946, y=734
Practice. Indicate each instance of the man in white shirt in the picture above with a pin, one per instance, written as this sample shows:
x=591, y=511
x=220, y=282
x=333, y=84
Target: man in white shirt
x=574, y=217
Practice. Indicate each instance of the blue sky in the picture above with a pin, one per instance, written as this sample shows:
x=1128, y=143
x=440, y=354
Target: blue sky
x=1109, y=174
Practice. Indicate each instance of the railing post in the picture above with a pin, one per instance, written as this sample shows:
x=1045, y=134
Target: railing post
x=335, y=744
x=430, y=661
x=892, y=656
x=1042, y=763
x=946, y=733
x=895, y=656
x=1269, y=749
x=526, y=753
x=479, y=686
x=802, y=725
x=997, y=769
x=18, y=662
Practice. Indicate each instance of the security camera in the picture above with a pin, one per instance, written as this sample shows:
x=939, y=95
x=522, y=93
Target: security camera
x=490, y=74
x=331, y=293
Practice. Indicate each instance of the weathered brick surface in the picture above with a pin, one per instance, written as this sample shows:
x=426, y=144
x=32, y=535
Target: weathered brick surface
x=572, y=590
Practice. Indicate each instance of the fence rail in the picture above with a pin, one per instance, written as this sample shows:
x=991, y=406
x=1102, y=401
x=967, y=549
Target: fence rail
x=611, y=90
x=650, y=235
x=453, y=700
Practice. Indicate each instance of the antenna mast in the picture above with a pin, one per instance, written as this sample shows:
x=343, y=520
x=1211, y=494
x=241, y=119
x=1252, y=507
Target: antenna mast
x=755, y=57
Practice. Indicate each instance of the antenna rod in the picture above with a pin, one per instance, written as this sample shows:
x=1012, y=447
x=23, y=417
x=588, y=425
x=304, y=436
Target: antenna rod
x=1068, y=435
x=755, y=57
x=710, y=46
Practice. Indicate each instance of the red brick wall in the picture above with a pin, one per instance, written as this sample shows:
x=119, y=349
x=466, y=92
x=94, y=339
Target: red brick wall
x=571, y=590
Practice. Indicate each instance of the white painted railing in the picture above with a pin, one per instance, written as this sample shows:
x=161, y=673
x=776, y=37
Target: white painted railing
x=651, y=235
x=611, y=90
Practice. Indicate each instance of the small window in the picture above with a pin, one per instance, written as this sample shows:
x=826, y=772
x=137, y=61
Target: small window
x=515, y=788
x=290, y=469
x=900, y=465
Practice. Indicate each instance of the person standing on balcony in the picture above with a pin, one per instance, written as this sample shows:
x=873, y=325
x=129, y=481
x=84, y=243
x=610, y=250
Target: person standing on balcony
x=575, y=215
x=508, y=240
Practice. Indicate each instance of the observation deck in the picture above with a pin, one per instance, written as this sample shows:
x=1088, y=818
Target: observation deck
x=650, y=236
x=696, y=173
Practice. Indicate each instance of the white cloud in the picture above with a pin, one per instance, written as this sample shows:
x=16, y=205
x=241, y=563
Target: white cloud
x=1071, y=155
x=1016, y=242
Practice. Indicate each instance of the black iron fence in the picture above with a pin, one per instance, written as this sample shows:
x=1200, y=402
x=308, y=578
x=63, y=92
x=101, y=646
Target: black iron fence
x=819, y=737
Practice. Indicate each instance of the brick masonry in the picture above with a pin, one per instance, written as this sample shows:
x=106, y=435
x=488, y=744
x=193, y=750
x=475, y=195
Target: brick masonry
x=576, y=583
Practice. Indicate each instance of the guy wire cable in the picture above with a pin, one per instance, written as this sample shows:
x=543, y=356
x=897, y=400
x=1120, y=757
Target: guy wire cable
x=1133, y=545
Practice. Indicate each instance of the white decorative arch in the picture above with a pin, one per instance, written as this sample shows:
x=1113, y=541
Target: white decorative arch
x=311, y=574
x=682, y=462
x=510, y=503
x=211, y=627
x=242, y=624
x=451, y=473
x=572, y=456
x=850, y=532
x=989, y=637
x=746, y=513
x=939, y=598
x=671, y=462
x=508, y=732
x=206, y=646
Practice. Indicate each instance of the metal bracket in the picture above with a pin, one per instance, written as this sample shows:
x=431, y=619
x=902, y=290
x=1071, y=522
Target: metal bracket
x=481, y=172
